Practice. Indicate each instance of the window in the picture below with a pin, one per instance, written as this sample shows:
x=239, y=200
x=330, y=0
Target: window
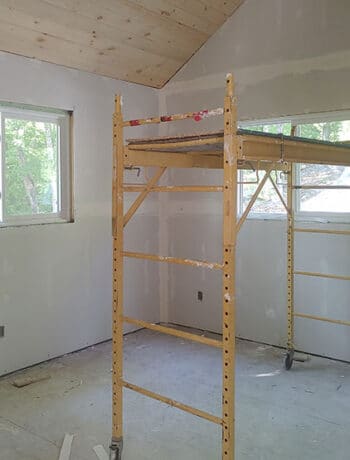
x=330, y=203
x=35, y=165
x=268, y=202
x=323, y=201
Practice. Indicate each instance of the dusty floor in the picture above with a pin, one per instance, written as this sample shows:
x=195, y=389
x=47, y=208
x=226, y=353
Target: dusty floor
x=301, y=414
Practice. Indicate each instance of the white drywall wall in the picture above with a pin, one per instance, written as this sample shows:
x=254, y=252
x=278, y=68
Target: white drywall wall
x=287, y=58
x=55, y=280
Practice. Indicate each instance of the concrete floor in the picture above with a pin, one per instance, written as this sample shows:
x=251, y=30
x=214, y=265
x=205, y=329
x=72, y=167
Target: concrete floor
x=301, y=414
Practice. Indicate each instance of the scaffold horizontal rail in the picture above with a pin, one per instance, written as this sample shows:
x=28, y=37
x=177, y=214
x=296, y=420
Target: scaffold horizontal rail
x=173, y=260
x=323, y=275
x=326, y=231
x=175, y=332
x=197, y=116
x=209, y=160
x=174, y=188
x=321, y=318
x=321, y=187
x=172, y=402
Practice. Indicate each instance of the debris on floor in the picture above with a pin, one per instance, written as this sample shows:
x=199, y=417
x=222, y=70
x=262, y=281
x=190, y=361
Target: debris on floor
x=21, y=382
x=66, y=447
x=75, y=385
x=101, y=453
x=301, y=357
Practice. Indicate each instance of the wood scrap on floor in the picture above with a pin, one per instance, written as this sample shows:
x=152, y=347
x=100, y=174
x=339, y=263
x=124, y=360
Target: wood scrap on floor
x=101, y=453
x=21, y=382
x=66, y=447
x=302, y=357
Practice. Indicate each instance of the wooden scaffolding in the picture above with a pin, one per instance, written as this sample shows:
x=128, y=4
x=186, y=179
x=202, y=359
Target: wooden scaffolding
x=230, y=150
x=293, y=228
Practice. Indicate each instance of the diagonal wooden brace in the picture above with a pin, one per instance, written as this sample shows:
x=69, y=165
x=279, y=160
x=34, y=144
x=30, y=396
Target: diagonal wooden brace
x=140, y=199
x=254, y=197
x=279, y=194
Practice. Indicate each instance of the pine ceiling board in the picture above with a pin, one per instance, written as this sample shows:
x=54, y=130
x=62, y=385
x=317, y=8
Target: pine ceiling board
x=132, y=17
x=142, y=41
x=52, y=49
x=79, y=29
x=192, y=14
x=228, y=7
x=118, y=26
x=160, y=32
x=80, y=57
x=205, y=10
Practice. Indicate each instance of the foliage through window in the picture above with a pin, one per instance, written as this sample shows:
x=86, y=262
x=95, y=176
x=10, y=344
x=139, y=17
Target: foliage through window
x=34, y=165
x=324, y=201
x=268, y=202
x=311, y=201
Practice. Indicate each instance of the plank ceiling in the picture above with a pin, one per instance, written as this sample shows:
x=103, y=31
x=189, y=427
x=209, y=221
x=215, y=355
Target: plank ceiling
x=142, y=41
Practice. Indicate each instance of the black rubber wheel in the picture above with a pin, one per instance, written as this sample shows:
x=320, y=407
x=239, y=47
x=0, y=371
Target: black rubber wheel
x=288, y=362
x=115, y=454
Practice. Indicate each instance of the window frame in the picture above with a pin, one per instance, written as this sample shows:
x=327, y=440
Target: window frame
x=62, y=119
x=305, y=216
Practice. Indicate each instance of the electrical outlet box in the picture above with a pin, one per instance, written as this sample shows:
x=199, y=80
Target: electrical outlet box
x=200, y=295
x=2, y=331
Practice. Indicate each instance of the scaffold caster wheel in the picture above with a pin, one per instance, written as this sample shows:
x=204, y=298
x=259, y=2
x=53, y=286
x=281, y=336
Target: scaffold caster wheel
x=288, y=362
x=115, y=454
x=115, y=450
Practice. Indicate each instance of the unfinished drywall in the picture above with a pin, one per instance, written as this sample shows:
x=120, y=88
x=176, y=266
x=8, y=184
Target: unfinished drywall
x=55, y=279
x=287, y=58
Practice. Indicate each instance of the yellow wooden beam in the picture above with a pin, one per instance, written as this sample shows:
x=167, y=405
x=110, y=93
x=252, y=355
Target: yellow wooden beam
x=173, y=260
x=171, y=160
x=140, y=199
x=174, y=332
x=172, y=402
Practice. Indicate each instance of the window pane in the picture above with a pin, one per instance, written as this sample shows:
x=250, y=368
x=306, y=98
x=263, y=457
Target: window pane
x=333, y=131
x=268, y=201
x=317, y=174
x=276, y=128
x=31, y=167
x=324, y=200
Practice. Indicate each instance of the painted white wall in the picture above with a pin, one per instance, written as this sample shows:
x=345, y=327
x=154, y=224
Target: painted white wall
x=55, y=280
x=288, y=58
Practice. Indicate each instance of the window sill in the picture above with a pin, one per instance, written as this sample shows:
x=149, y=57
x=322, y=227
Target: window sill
x=32, y=222
x=304, y=218
x=262, y=216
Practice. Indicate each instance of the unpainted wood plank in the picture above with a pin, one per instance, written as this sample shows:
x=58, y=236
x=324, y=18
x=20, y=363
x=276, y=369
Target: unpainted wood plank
x=227, y=6
x=191, y=14
x=121, y=13
x=135, y=40
x=51, y=49
x=205, y=10
x=26, y=380
x=50, y=18
x=70, y=30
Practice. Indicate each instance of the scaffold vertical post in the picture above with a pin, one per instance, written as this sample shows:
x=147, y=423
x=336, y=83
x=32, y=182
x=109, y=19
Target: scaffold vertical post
x=117, y=322
x=229, y=250
x=290, y=269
